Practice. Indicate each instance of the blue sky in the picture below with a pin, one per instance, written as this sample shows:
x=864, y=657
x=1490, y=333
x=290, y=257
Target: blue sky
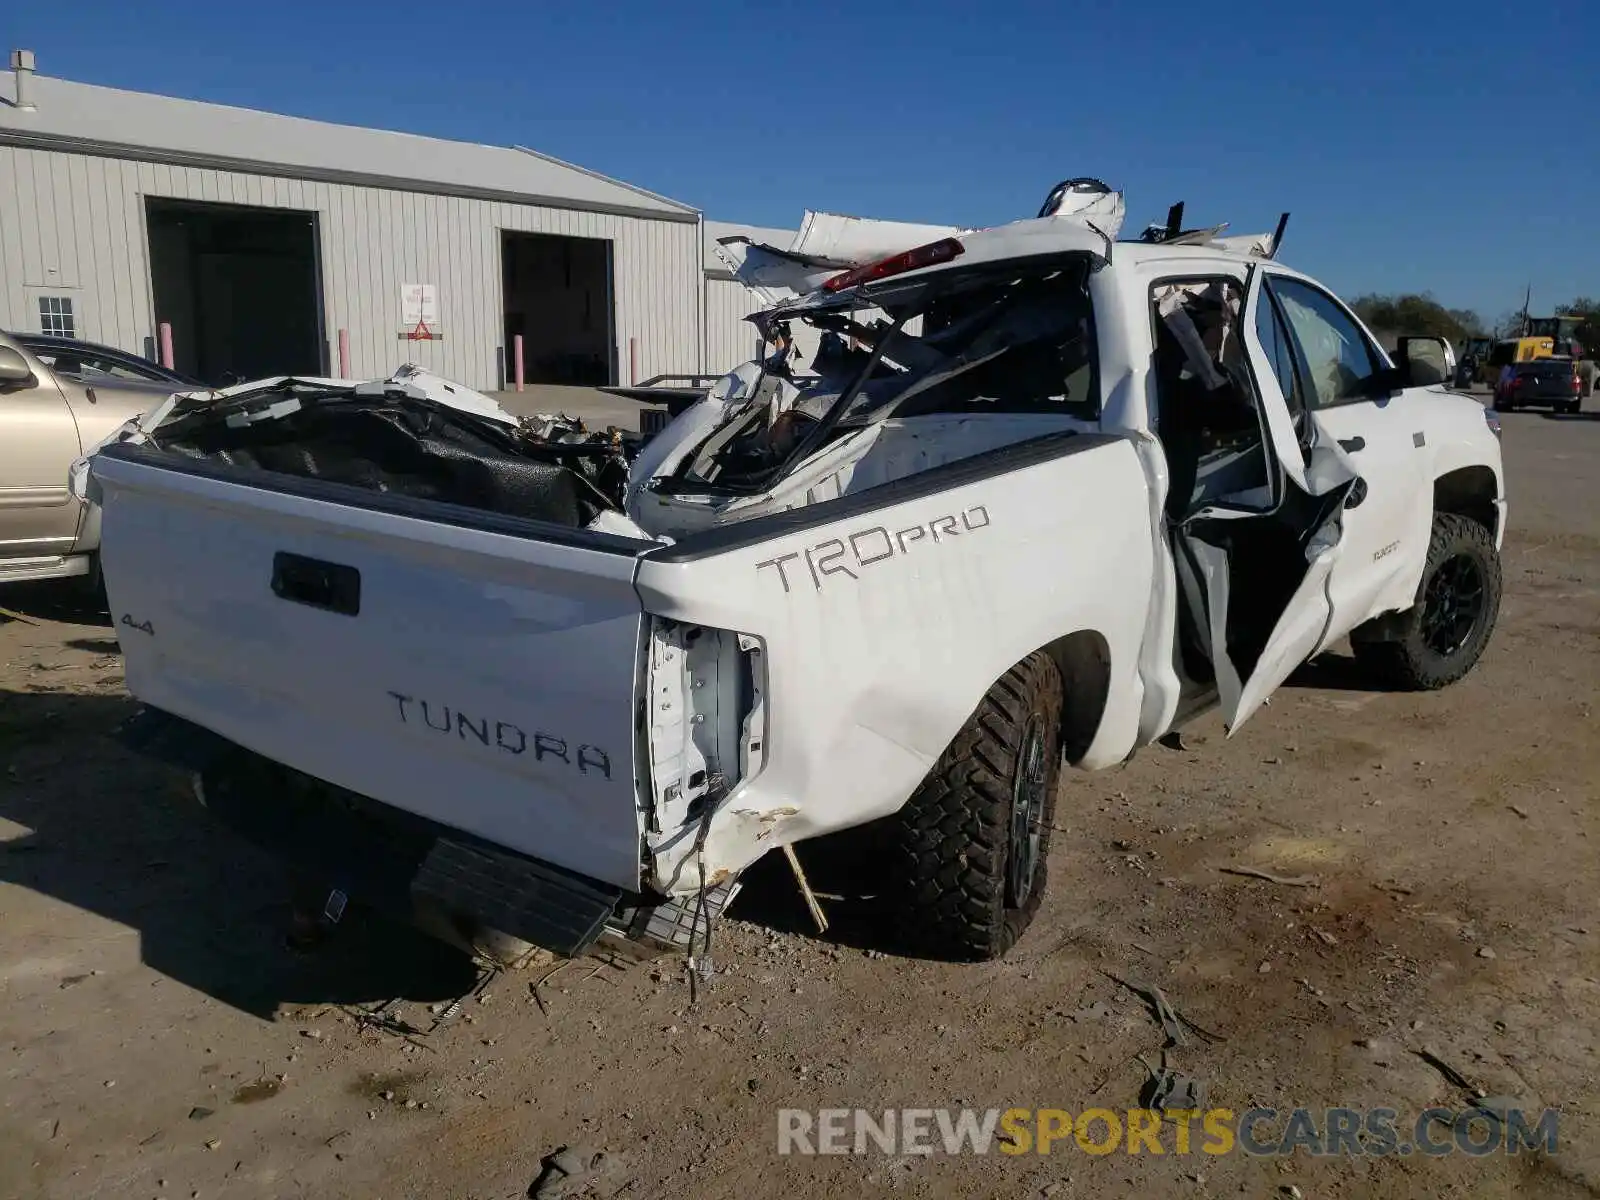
x=1420, y=146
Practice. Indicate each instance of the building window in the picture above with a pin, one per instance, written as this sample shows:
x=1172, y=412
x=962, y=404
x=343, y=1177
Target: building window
x=55, y=316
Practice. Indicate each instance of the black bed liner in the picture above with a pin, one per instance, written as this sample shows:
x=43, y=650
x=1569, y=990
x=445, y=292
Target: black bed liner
x=402, y=446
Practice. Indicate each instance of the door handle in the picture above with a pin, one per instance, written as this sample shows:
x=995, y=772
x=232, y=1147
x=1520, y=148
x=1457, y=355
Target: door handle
x=316, y=584
x=1356, y=494
x=1351, y=445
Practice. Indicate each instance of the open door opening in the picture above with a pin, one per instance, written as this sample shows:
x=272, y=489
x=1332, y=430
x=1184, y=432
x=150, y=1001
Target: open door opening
x=240, y=288
x=1254, y=550
x=558, y=299
x=1259, y=585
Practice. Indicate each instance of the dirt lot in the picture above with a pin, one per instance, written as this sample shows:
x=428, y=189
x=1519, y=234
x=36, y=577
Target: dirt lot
x=157, y=1038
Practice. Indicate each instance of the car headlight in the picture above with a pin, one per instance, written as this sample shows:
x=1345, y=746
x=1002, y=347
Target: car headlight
x=1492, y=418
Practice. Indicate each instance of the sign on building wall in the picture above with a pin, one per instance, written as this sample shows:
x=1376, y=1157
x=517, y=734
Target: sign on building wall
x=419, y=312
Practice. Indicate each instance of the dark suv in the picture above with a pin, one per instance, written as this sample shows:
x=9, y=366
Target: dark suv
x=1543, y=381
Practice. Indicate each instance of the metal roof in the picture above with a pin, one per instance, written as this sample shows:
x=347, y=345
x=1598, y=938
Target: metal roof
x=85, y=118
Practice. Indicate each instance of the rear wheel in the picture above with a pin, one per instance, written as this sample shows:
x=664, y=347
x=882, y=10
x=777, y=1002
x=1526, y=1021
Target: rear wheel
x=1444, y=633
x=967, y=852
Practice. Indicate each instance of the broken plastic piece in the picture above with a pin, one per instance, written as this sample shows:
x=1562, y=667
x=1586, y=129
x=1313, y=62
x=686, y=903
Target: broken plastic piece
x=1168, y=1090
x=817, y=915
x=333, y=910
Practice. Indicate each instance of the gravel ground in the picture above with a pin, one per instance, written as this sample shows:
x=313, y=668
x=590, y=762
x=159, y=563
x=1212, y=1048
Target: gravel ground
x=158, y=1039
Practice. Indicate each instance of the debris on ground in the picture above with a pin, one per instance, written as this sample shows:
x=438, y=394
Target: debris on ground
x=1170, y=1090
x=1283, y=880
x=1428, y=1055
x=569, y=1172
x=1172, y=1021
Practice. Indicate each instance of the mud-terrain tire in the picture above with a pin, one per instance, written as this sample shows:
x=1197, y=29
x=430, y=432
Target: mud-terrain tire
x=966, y=855
x=1458, y=601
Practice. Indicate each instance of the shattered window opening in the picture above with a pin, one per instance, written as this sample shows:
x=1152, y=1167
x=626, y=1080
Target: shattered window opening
x=1015, y=343
x=1337, y=360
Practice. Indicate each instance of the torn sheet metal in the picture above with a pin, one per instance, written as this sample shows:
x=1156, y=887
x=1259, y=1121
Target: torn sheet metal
x=440, y=390
x=772, y=273
x=1088, y=202
x=1256, y=245
x=855, y=241
x=826, y=244
x=622, y=526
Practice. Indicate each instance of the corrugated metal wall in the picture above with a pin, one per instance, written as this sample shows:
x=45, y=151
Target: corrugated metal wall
x=730, y=339
x=75, y=224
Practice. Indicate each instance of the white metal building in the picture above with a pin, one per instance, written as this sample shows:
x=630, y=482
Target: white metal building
x=730, y=339
x=259, y=238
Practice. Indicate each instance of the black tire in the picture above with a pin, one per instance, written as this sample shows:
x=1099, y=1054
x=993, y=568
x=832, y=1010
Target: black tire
x=1570, y=407
x=967, y=852
x=1441, y=640
x=92, y=586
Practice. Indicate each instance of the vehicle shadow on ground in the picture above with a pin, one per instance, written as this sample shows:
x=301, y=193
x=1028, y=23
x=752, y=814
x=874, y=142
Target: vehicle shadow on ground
x=105, y=645
x=54, y=600
x=111, y=834
x=843, y=870
x=1577, y=416
x=1337, y=673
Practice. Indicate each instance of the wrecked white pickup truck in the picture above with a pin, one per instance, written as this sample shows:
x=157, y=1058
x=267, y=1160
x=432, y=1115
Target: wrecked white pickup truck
x=1041, y=495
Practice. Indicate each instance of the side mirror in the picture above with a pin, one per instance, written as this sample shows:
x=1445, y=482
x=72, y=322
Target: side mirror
x=14, y=368
x=1425, y=361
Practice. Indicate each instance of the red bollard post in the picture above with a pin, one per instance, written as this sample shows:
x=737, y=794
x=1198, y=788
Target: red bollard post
x=344, y=354
x=166, y=344
x=516, y=360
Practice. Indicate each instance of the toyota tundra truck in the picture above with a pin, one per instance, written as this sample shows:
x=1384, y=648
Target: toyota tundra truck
x=1039, y=497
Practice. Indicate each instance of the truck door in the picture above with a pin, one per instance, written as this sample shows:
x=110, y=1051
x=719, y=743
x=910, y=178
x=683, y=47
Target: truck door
x=1361, y=432
x=1257, y=540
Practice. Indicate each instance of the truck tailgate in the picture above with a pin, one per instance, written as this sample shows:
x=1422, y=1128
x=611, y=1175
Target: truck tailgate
x=475, y=669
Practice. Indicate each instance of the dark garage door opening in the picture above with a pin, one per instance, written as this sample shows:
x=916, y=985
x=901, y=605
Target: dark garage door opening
x=558, y=297
x=239, y=287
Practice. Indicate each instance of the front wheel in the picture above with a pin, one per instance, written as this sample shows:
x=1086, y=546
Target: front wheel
x=967, y=852
x=1445, y=632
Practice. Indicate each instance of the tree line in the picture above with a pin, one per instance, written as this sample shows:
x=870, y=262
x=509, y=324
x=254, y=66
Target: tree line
x=1414, y=313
